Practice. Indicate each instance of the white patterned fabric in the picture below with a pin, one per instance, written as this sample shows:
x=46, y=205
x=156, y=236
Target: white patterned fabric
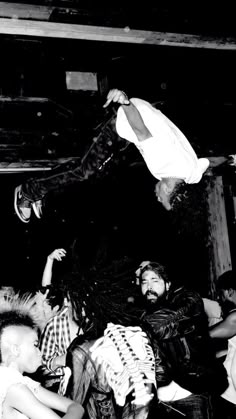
x=9, y=377
x=128, y=361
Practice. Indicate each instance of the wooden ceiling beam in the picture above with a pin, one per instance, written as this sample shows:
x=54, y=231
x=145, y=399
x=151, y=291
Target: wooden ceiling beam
x=25, y=11
x=35, y=165
x=35, y=28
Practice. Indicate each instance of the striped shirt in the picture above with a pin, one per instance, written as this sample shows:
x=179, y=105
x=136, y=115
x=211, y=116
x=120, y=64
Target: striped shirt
x=54, y=342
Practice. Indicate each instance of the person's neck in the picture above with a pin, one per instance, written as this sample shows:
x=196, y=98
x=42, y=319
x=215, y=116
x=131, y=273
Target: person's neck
x=14, y=365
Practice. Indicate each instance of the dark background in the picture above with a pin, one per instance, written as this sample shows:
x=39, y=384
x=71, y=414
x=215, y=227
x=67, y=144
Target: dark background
x=117, y=216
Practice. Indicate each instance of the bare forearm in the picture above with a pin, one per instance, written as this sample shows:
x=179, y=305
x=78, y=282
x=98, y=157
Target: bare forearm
x=59, y=361
x=136, y=121
x=223, y=330
x=217, y=161
x=132, y=113
x=47, y=273
x=75, y=411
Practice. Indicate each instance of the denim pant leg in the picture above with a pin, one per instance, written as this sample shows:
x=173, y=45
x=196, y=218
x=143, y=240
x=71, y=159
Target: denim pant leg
x=65, y=174
x=196, y=406
x=95, y=162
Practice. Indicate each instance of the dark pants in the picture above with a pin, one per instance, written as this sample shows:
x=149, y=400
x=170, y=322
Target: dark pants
x=224, y=409
x=53, y=181
x=196, y=406
x=101, y=155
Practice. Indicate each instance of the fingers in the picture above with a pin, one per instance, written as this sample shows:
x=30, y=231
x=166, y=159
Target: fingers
x=117, y=96
x=61, y=253
x=58, y=254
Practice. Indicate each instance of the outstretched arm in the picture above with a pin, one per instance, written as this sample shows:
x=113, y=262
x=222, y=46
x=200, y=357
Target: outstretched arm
x=132, y=114
x=221, y=160
x=57, y=254
x=225, y=329
x=219, y=163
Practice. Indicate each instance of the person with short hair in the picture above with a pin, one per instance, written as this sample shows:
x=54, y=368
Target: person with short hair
x=20, y=396
x=224, y=335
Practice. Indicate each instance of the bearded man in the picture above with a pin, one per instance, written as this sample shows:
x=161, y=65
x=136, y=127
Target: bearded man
x=175, y=319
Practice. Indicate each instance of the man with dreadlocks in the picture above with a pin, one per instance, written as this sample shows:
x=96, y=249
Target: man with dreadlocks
x=63, y=327
x=166, y=151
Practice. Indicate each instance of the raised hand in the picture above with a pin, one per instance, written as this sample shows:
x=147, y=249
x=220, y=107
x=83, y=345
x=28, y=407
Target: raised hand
x=57, y=254
x=117, y=96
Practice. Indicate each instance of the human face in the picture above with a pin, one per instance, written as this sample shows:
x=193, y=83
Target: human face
x=223, y=296
x=162, y=192
x=153, y=286
x=226, y=299
x=29, y=353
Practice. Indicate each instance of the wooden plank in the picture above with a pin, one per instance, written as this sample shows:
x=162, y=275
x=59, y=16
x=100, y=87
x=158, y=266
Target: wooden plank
x=25, y=11
x=32, y=165
x=107, y=34
x=219, y=246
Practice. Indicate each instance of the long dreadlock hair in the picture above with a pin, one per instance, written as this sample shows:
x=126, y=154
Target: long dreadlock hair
x=100, y=296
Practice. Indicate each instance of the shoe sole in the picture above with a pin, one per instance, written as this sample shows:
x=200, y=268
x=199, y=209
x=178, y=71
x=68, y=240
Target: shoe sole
x=17, y=189
x=38, y=215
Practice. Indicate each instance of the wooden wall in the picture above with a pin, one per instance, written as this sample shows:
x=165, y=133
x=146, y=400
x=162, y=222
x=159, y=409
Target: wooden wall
x=219, y=245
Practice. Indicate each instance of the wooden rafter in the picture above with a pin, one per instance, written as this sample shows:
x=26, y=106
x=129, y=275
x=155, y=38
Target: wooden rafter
x=46, y=29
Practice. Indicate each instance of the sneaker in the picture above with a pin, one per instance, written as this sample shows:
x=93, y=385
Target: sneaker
x=37, y=207
x=232, y=159
x=22, y=206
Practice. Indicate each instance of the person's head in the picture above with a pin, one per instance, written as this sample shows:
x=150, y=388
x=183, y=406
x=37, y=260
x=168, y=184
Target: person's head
x=226, y=286
x=6, y=291
x=170, y=192
x=67, y=293
x=56, y=297
x=19, y=341
x=154, y=283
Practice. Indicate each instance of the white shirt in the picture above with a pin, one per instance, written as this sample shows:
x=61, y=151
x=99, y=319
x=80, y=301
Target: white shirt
x=167, y=153
x=230, y=393
x=172, y=392
x=8, y=377
x=213, y=311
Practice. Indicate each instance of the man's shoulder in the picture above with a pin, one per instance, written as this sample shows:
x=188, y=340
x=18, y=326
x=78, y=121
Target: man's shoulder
x=188, y=299
x=231, y=316
x=184, y=291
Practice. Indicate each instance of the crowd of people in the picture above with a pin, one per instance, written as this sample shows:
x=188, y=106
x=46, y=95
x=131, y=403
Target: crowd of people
x=64, y=355
x=159, y=360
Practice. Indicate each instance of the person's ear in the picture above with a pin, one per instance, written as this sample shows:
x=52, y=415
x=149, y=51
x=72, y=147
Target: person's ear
x=167, y=188
x=15, y=350
x=231, y=292
x=168, y=284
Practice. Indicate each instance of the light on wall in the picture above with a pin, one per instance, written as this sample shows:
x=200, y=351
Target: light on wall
x=77, y=80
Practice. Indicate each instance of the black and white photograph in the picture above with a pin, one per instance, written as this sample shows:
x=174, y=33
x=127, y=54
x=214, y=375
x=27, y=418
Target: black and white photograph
x=118, y=210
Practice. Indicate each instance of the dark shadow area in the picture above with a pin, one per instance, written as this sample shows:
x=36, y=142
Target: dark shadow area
x=115, y=219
